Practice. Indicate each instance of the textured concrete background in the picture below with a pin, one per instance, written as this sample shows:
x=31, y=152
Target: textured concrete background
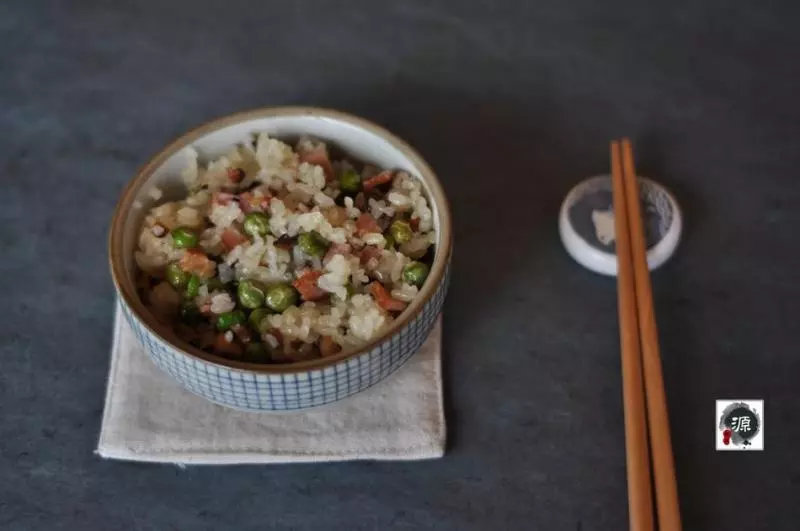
x=512, y=103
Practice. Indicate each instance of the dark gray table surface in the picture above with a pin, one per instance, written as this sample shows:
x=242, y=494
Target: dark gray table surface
x=512, y=103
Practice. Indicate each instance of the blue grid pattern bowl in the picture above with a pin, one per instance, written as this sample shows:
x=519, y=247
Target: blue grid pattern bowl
x=300, y=385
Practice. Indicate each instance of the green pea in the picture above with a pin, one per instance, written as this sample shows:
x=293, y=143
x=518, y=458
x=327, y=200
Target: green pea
x=401, y=232
x=184, y=238
x=350, y=182
x=228, y=319
x=256, y=224
x=312, y=244
x=215, y=284
x=176, y=276
x=192, y=287
x=415, y=273
x=190, y=314
x=250, y=294
x=280, y=296
x=256, y=352
x=257, y=317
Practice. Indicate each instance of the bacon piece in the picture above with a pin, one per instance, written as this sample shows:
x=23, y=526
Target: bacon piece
x=195, y=261
x=248, y=202
x=384, y=299
x=231, y=348
x=318, y=155
x=306, y=285
x=235, y=175
x=382, y=178
x=328, y=347
x=370, y=253
x=366, y=224
x=232, y=237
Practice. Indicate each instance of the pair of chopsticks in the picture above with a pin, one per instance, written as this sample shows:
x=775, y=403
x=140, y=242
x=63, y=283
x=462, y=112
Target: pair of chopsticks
x=641, y=361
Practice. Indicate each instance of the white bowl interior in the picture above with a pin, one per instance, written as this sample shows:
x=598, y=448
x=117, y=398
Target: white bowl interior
x=359, y=143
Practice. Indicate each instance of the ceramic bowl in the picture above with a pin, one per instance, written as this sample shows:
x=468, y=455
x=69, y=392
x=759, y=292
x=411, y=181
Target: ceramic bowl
x=261, y=387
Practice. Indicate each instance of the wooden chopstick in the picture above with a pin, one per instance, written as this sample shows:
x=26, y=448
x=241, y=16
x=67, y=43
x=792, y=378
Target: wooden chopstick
x=668, y=511
x=640, y=501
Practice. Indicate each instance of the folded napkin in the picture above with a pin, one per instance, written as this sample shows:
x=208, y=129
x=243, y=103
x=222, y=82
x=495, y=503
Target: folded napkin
x=149, y=417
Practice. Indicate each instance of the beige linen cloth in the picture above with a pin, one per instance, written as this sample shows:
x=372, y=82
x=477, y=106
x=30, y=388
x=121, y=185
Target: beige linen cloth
x=149, y=417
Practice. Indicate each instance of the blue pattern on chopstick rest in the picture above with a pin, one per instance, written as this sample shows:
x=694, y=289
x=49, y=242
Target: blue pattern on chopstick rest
x=290, y=391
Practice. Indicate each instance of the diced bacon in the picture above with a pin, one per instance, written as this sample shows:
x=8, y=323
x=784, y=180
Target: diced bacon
x=250, y=202
x=306, y=285
x=382, y=178
x=232, y=237
x=384, y=299
x=222, y=345
x=319, y=157
x=235, y=175
x=328, y=347
x=366, y=224
x=370, y=253
x=246, y=202
x=195, y=261
x=336, y=248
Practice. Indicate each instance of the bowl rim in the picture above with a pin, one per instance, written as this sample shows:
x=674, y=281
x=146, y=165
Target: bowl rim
x=127, y=291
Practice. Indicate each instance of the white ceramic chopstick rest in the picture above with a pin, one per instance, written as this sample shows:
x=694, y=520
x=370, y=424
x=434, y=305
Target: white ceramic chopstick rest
x=586, y=224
